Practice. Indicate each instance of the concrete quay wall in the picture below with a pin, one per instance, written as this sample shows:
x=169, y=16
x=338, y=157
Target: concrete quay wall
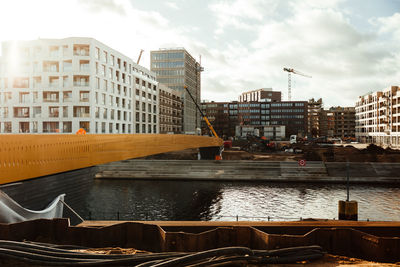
x=262, y=171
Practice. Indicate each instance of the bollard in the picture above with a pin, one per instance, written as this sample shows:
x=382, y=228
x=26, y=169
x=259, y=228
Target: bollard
x=348, y=210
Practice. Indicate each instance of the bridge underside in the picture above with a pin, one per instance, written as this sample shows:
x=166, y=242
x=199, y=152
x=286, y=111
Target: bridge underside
x=25, y=156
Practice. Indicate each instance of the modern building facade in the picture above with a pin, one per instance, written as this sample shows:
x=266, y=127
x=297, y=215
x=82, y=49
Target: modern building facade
x=340, y=122
x=176, y=68
x=225, y=116
x=266, y=94
x=378, y=117
x=171, y=107
x=62, y=85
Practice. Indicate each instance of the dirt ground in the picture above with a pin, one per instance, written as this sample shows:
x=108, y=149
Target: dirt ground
x=308, y=152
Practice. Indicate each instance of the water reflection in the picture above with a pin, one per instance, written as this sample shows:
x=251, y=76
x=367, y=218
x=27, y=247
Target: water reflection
x=193, y=200
x=151, y=200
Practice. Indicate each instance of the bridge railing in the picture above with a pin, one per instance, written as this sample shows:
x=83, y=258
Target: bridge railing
x=24, y=156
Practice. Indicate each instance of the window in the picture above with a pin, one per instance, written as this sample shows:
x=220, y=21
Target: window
x=103, y=70
x=105, y=85
x=84, y=65
x=112, y=59
x=67, y=127
x=81, y=80
x=36, y=112
x=65, y=50
x=21, y=82
x=67, y=96
x=54, y=51
x=84, y=96
x=105, y=111
x=51, y=127
x=21, y=112
x=53, y=112
x=67, y=65
x=24, y=97
x=7, y=127
x=65, y=112
x=97, y=53
x=105, y=57
x=85, y=125
x=51, y=66
x=50, y=96
x=81, y=112
x=81, y=50
x=65, y=82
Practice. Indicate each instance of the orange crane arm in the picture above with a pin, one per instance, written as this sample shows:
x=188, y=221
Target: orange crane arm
x=202, y=114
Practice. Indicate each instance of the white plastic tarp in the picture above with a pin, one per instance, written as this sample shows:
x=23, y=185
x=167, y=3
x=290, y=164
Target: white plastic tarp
x=12, y=212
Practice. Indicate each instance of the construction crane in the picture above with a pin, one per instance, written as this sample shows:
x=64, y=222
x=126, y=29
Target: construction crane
x=290, y=71
x=202, y=114
x=140, y=55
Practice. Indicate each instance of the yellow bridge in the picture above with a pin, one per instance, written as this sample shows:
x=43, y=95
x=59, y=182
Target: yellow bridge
x=24, y=156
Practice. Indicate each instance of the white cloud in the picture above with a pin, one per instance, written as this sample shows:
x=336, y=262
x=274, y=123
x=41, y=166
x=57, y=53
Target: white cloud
x=312, y=36
x=238, y=13
x=319, y=41
x=116, y=23
x=105, y=5
x=172, y=5
x=389, y=25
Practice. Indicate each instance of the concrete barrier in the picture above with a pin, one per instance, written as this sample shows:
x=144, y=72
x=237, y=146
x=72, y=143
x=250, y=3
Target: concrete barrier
x=232, y=170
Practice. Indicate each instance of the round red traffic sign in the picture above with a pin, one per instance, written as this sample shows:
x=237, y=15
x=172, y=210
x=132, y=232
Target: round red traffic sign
x=302, y=162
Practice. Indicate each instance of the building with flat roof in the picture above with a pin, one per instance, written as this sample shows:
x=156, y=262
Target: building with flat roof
x=340, y=122
x=62, y=85
x=225, y=116
x=171, y=110
x=176, y=68
x=378, y=117
x=265, y=94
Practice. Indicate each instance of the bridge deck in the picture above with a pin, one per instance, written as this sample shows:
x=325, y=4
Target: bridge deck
x=25, y=156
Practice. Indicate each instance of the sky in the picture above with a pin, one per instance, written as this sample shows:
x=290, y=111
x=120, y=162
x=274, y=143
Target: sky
x=349, y=47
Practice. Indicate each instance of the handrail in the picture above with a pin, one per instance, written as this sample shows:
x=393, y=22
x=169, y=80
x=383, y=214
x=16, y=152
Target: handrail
x=25, y=156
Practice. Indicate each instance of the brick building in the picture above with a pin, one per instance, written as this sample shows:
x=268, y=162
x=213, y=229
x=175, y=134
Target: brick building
x=171, y=107
x=225, y=116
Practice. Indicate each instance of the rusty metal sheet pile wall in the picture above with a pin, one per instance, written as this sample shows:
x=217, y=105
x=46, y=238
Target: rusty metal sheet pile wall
x=332, y=238
x=24, y=156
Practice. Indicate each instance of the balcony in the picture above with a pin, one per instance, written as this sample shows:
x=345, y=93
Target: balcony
x=67, y=97
x=54, y=114
x=81, y=81
x=52, y=97
x=51, y=127
x=51, y=66
x=21, y=112
x=81, y=112
x=81, y=50
x=84, y=96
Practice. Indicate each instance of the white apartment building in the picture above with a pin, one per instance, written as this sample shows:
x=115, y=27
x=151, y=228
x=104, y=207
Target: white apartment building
x=62, y=85
x=378, y=117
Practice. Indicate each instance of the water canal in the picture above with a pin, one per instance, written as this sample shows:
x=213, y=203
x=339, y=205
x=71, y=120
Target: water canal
x=195, y=200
